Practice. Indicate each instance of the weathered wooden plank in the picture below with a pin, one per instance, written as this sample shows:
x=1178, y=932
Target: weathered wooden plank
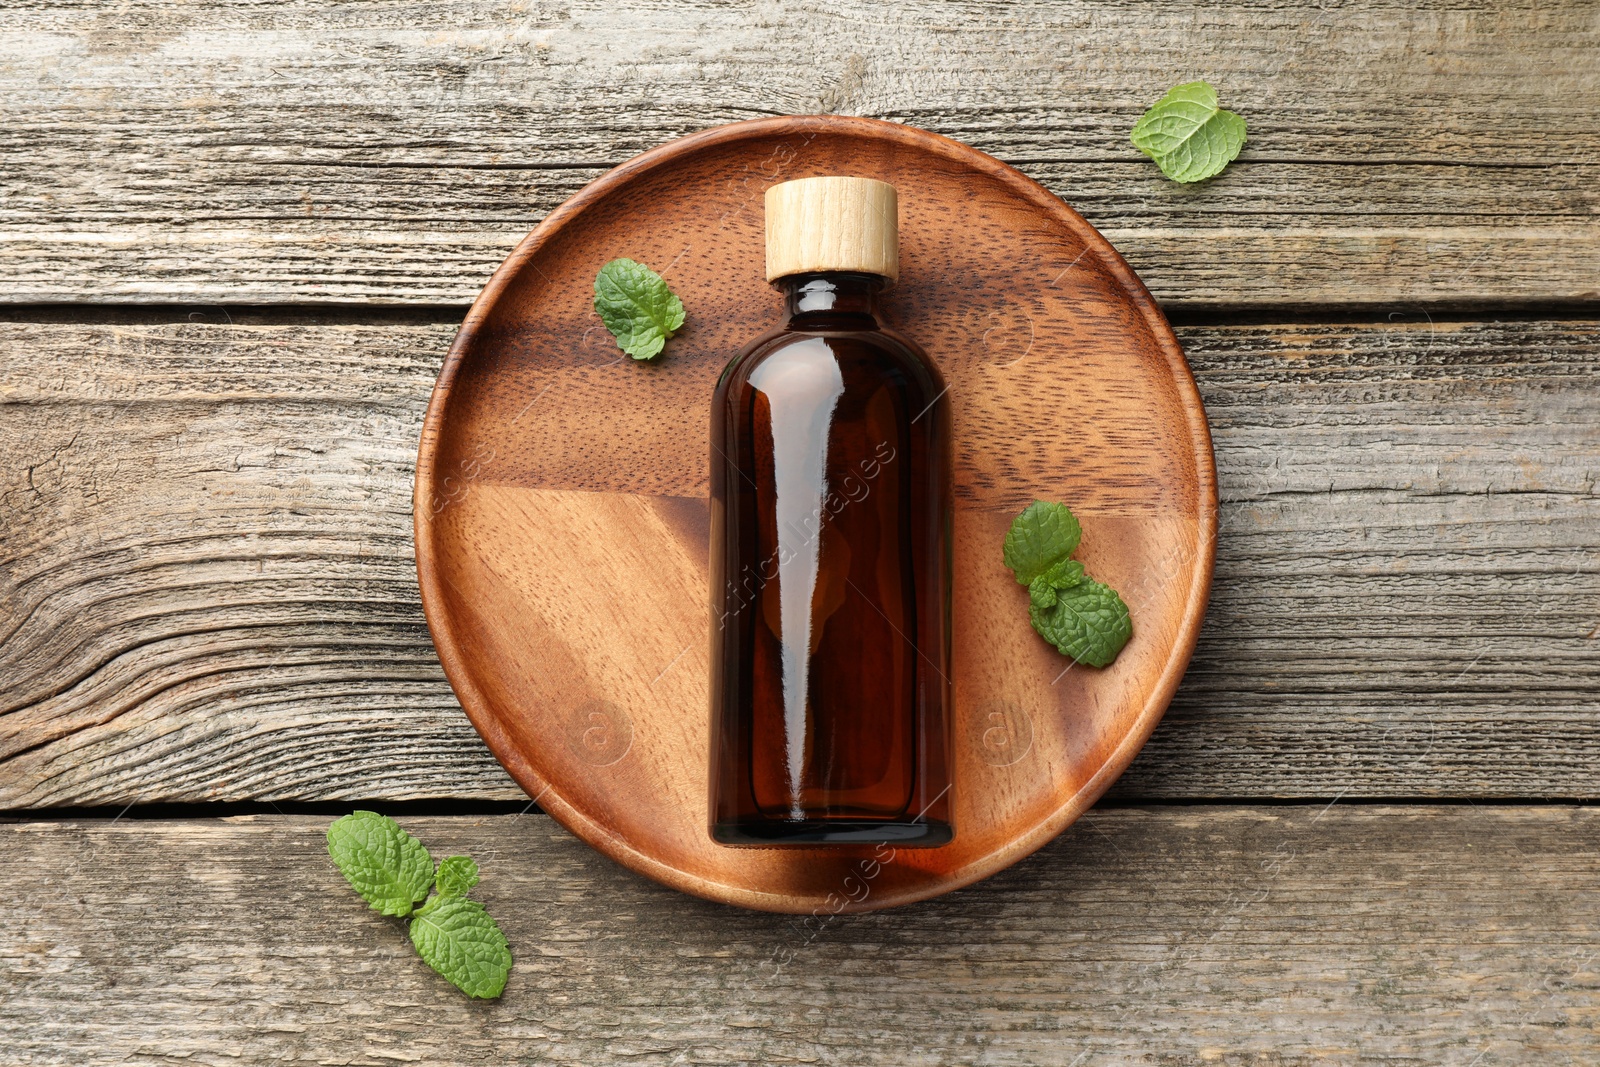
x=207, y=593
x=1189, y=935
x=393, y=152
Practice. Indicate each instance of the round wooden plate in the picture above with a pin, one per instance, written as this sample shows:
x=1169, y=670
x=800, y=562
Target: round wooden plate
x=562, y=517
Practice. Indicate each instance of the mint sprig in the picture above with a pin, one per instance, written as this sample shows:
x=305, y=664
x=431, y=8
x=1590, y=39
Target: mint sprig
x=637, y=307
x=393, y=872
x=1188, y=134
x=1083, y=618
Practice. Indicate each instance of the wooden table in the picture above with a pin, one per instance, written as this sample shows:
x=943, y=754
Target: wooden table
x=234, y=241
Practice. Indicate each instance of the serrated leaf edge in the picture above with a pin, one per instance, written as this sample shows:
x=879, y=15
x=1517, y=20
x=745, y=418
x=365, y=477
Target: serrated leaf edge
x=1089, y=585
x=1012, y=538
x=665, y=327
x=383, y=907
x=424, y=916
x=1165, y=160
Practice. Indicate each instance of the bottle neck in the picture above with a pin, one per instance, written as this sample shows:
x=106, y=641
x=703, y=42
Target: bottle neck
x=821, y=299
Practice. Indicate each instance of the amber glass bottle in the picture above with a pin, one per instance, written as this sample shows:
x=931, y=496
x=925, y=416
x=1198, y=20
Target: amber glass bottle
x=830, y=549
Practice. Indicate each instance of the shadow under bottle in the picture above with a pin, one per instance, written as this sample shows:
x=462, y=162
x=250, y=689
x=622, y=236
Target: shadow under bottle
x=831, y=520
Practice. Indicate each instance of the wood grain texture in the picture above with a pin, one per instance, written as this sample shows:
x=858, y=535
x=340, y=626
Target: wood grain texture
x=207, y=589
x=394, y=152
x=1181, y=936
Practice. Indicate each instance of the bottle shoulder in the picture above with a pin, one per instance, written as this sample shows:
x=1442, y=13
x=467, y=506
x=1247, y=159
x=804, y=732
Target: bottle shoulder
x=893, y=350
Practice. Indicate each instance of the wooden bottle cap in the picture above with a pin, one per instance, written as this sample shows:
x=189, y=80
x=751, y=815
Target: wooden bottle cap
x=817, y=224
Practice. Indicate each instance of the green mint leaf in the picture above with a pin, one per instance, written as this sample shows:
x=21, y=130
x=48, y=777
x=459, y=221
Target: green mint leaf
x=1041, y=594
x=457, y=874
x=637, y=307
x=1043, y=590
x=1188, y=135
x=387, y=866
x=1082, y=618
x=1064, y=575
x=1088, y=622
x=458, y=939
x=1043, y=535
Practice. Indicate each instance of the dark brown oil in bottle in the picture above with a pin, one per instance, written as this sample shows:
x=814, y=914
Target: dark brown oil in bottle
x=831, y=520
